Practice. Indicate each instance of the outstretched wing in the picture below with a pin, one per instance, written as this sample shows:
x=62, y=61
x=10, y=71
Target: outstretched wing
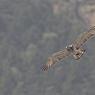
x=56, y=57
x=84, y=37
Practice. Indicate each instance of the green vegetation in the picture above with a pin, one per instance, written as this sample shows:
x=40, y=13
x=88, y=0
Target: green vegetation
x=30, y=31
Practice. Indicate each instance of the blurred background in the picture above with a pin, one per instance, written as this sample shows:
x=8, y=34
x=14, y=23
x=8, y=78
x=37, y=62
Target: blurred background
x=30, y=31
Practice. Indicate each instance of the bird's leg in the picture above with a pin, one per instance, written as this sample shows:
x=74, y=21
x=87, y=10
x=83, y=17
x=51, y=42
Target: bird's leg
x=76, y=57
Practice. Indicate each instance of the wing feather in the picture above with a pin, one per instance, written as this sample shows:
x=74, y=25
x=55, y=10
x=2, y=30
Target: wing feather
x=84, y=37
x=55, y=58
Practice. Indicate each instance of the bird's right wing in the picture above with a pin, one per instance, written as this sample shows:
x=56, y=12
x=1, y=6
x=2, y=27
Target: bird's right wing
x=55, y=58
x=82, y=38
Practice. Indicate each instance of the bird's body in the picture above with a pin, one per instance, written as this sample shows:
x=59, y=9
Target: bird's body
x=75, y=49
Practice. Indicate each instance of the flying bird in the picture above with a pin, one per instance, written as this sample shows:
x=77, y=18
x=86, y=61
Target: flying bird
x=75, y=49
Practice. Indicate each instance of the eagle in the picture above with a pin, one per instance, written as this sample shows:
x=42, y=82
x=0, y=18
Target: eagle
x=75, y=49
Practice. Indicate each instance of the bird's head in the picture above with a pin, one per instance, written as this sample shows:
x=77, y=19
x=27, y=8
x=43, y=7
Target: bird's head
x=70, y=48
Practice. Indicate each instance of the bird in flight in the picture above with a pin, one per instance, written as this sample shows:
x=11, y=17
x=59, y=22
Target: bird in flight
x=75, y=49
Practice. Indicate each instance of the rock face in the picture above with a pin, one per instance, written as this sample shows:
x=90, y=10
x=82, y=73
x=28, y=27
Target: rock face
x=30, y=31
x=87, y=12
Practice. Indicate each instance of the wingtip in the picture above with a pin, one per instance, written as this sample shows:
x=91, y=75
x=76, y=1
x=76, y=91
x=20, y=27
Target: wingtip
x=44, y=68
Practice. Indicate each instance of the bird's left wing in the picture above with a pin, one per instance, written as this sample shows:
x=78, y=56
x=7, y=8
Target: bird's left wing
x=55, y=58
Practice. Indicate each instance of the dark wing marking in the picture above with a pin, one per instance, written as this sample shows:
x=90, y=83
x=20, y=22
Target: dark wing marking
x=84, y=37
x=56, y=57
